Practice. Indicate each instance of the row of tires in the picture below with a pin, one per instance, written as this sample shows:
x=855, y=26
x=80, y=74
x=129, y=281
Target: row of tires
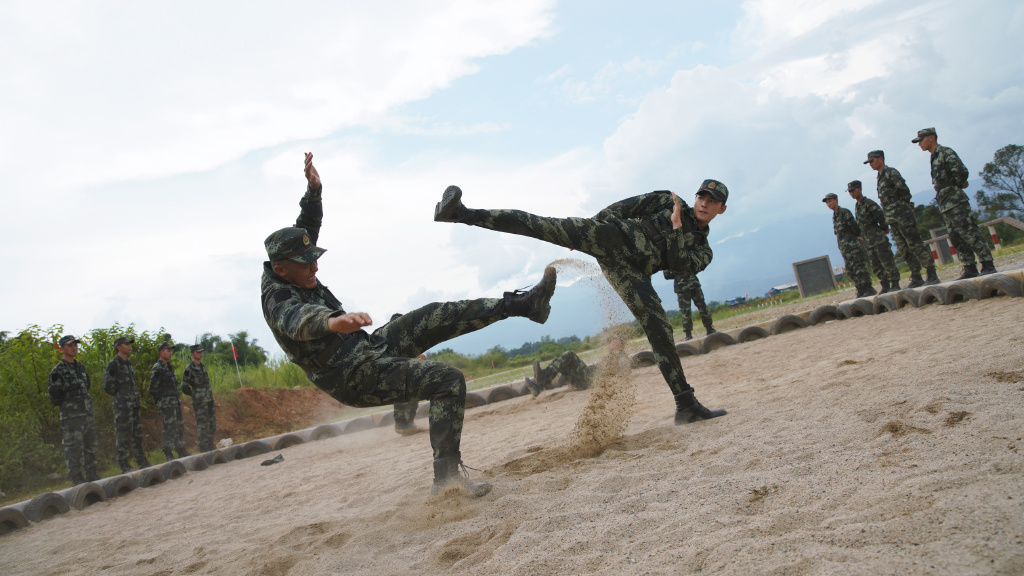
x=991, y=286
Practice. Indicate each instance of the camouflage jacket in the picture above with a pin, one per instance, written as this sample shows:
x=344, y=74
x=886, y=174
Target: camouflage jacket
x=844, y=224
x=871, y=220
x=947, y=170
x=298, y=316
x=194, y=378
x=119, y=381
x=69, y=383
x=162, y=381
x=688, y=282
x=892, y=189
x=687, y=251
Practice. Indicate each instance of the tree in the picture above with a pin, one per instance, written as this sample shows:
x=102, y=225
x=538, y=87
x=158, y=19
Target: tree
x=249, y=353
x=1004, y=177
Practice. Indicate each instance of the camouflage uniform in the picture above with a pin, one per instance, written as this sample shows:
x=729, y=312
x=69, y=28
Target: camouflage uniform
x=196, y=383
x=894, y=194
x=163, y=386
x=119, y=381
x=854, y=256
x=688, y=288
x=379, y=368
x=576, y=371
x=68, y=388
x=631, y=240
x=873, y=228
x=949, y=176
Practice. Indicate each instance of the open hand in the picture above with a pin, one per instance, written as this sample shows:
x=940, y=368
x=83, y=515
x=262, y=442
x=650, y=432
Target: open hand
x=677, y=213
x=348, y=323
x=312, y=176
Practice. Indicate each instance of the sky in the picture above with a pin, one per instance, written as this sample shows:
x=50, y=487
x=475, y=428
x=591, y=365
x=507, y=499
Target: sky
x=147, y=149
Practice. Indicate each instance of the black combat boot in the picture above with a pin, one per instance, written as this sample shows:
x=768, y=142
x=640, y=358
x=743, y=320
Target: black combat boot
x=915, y=279
x=448, y=474
x=182, y=453
x=168, y=454
x=143, y=462
x=92, y=476
x=406, y=428
x=532, y=386
x=987, y=268
x=970, y=271
x=711, y=331
x=894, y=286
x=125, y=468
x=868, y=292
x=688, y=337
x=540, y=379
x=885, y=288
x=76, y=478
x=450, y=208
x=535, y=303
x=688, y=409
x=933, y=277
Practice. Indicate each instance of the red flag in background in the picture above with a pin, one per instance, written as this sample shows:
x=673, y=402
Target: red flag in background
x=233, y=351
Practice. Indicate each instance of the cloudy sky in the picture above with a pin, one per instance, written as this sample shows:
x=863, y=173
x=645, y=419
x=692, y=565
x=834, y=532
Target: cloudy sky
x=147, y=149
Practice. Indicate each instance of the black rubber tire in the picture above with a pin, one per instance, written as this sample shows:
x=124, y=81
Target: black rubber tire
x=560, y=381
x=233, y=452
x=933, y=295
x=386, y=419
x=289, y=440
x=119, y=485
x=45, y=506
x=149, y=477
x=255, y=448
x=684, y=349
x=643, y=359
x=325, y=431
x=84, y=495
x=173, y=470
x=909, y=297
x=11, y=519
x=715, y=341
x=521, y=388
x=885, y=303
x=195, y=463
x=962, y=291
x=824, y=313
x=359, y=424
x=215, y=457
x=857, y=308
x=751, y=333
x=475, y=399
x=501, y=393
x=995, y=285
x=788, y=323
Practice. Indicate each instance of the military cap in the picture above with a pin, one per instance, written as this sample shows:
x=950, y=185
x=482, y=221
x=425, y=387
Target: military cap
x=853, y=185
x=123, y=340
x=292, y=244
x=874, y=154
x=921, y=134
x=829, y=196
x=195, y=348
x=165, y=346
x=67, y=339
x=717, y=190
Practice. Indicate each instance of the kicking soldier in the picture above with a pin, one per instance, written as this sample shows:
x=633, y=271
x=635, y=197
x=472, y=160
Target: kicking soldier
x=360, y=368
x=631, y=240
x=119, y=381
x=949, y=177
x=850, y=246
x=163, y=386
x=68, y=388
x=873, y=228
x=196, y=383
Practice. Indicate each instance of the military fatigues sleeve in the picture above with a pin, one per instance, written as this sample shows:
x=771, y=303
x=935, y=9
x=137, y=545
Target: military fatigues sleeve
x=311, y=213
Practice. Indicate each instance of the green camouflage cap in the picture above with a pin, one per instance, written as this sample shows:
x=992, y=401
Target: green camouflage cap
x=874, y=154
x=829, y=196
x=854, y=184
x=166, y=345
x=68, y=339
x=921, y=134
x=195, y=348
x=123, y=340
x=717, y=190
x=292, y=244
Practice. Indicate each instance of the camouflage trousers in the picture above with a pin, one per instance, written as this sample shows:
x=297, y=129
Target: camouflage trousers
x=78, y=438
x=206, y=418
x=575, y=370
x=685, y=293
x=399, y=377
x=855, y=259
x=965, y=235
x=128, y=428
x=903, y=226
x=172, y=434
x=627, y=259
x=882, y=261
x=405, y=412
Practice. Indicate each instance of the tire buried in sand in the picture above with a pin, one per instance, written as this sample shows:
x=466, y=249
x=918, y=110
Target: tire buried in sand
x=500, y=393
x=149, y=477
x=560, y=381
x=11, y=519
x=824, y=313
x=326, y=431
x=119, y=485
x=233, y=452
x=885, y=303
x=195, y=462
x=716, y=341
x=292, y=439
x=995, y=285
x=962, y=291
x=643, y=359
x=215, y=457
x=45, y=506
x=909, y=297
x=255, y=448
x=521, y=388
x=84, y=495
x=788, y=323
x=683, y=350
x=474, y=399
x=751, y=333
x=857, y=308
x=933, y=295
x=359, y=424
x=173, y=470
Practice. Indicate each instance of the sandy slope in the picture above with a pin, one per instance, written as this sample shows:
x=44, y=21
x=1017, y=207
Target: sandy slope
x=888, y=444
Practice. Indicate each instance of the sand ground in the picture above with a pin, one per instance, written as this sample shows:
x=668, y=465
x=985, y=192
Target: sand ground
x=887, y=444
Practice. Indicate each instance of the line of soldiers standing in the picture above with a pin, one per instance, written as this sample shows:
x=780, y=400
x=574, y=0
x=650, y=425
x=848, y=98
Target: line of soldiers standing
x=68, y=388
x=863, y=239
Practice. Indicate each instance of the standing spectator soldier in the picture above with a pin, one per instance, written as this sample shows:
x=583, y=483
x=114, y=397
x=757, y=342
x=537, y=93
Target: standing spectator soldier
x=364, y=369
x=163, y=386
x=687, y=288
x=68, y=388
x=949, y=177
x=850, y=246
x=196, y=383
x=119, y=381
x=873, y=229
x=894, y=194
x=631, y=240
x=576, y=372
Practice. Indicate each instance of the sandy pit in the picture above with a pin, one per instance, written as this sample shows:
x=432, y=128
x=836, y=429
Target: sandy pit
x=888, y=444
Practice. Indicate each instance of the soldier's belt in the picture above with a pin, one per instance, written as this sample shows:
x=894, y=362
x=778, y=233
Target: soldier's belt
x=76, y=392
x=654, y=235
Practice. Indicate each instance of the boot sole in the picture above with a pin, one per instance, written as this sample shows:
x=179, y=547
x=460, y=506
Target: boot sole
x=449, y=205
x=550, y=277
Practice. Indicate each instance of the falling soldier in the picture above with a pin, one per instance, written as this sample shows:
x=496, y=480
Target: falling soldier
x=68, y=388
x=631, y=240
x=577, y=373
x=360, y=368
x=196, y=383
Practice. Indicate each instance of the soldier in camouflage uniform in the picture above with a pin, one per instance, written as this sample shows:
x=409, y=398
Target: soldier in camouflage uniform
x=894, y=194
x=196, y=383
x=687, y=288
x=576, y=372
x=68, y=388
x=359, y=368
x=163, y=386
x=874, y=228
x=119, y=381
x=631, y=240
x=949, y=177
x=850, y=246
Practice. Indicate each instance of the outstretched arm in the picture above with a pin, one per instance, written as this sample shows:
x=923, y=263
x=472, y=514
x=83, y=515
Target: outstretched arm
x=311, y=216
x=348, y=323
